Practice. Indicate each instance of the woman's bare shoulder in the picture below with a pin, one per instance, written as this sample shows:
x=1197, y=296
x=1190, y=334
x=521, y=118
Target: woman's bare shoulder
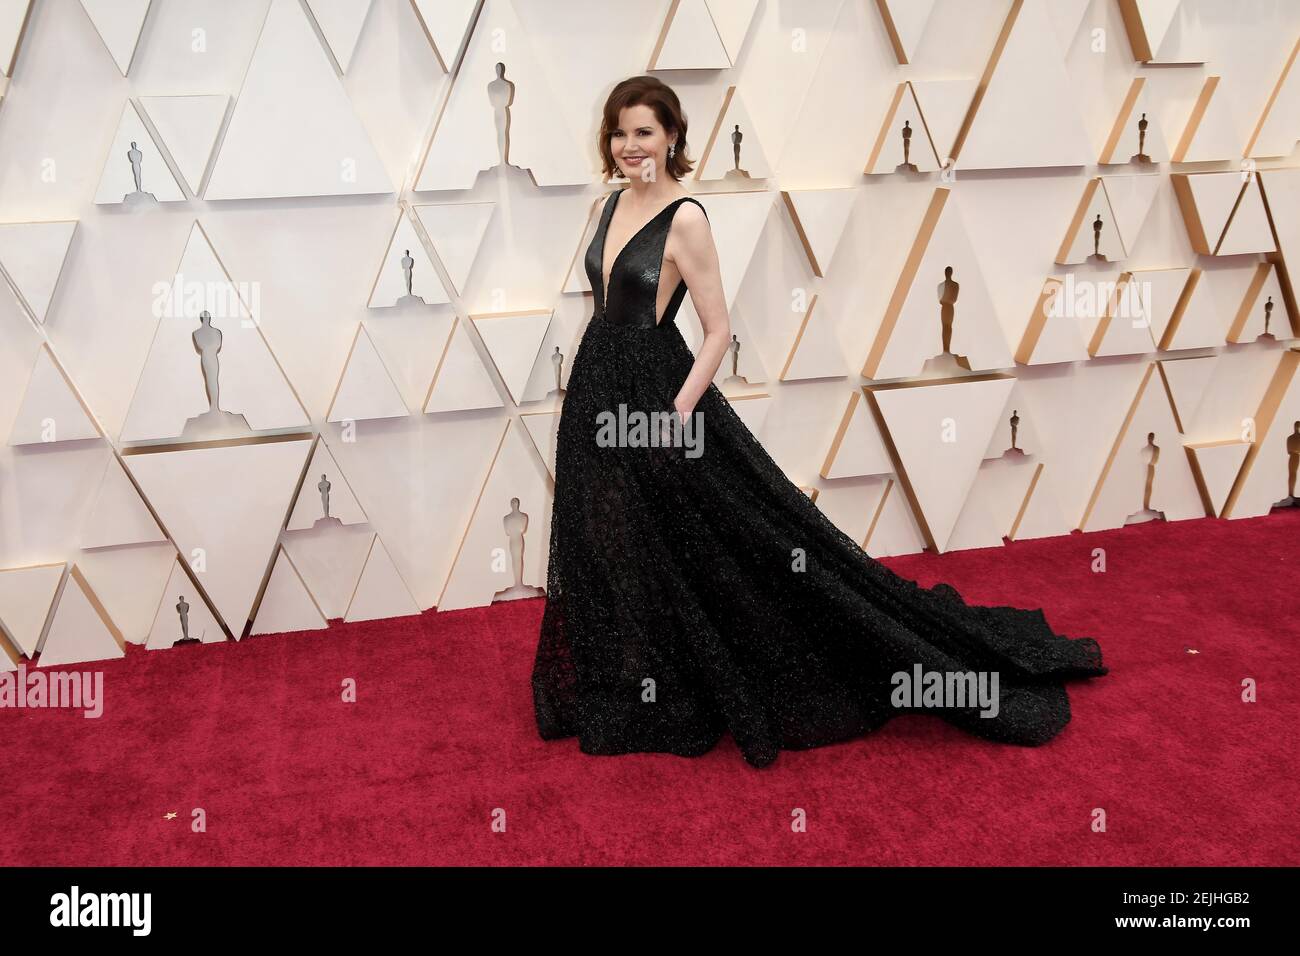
x=600, y=204
x=690, y=220
x=690, y=211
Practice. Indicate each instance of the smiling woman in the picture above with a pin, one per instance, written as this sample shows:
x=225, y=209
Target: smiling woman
x=643, y=119
x=690, y=594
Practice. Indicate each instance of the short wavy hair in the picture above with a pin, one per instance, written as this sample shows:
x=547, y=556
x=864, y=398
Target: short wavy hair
x=659, y=96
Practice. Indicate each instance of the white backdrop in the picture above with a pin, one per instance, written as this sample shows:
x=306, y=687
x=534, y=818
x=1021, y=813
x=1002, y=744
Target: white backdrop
x=421, y=496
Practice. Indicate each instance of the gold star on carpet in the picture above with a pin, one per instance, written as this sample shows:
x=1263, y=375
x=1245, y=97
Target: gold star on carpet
x=170, y=816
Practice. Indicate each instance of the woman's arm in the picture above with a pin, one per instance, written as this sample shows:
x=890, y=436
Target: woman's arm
x=696, y=258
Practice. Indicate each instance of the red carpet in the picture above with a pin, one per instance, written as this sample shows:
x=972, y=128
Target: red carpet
x=442, y=735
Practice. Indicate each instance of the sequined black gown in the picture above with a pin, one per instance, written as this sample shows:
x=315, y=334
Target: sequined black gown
x=674, y=612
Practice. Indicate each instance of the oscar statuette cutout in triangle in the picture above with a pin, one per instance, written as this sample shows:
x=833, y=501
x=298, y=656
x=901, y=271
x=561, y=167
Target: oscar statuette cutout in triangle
x=937, y=435
x=1137, y=135
x=224, y=504
x=183, y=615
x=733, y=152
x=1269, y=473
x=325, y=497
x=940, y=313
x=554, y=359
x=1092, y=234
x=503, y=553
x=903, y=143
x=1262, y=311
x=1147, y=475
x=136, y=173
x=501, y=116
x=210, y=373
x=406, y=279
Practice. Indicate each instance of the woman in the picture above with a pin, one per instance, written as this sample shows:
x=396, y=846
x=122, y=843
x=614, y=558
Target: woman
x=692, y=589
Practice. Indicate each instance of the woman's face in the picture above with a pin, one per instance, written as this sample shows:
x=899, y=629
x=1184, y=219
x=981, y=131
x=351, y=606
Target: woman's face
x=639, y=145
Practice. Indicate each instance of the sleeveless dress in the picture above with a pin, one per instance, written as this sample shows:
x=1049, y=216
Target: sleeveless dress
x=694, y=590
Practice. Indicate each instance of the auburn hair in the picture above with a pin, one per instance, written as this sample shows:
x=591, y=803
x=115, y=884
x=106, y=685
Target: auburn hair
x=659, y=96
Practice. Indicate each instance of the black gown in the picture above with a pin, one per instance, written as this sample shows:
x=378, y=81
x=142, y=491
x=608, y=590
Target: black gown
x=675, y=606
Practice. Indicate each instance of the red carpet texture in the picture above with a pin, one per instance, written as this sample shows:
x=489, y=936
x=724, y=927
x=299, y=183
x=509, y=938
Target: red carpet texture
x=441, y=742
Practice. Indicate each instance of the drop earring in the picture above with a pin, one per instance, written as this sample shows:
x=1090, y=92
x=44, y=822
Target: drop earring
x=672, y=150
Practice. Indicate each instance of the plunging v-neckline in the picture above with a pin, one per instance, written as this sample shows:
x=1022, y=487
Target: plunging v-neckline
x=604, y=234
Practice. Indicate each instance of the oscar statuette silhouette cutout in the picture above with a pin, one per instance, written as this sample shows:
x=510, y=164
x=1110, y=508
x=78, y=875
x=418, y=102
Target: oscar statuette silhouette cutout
x=409, y=300
x=907, y=164
x=515, y=524
x=139, y=197
x=408, y=272
x=947, y=292
x=135, y=157
x=1292, y=468
x=736, y=172
x=1150, y=454
x=183, y=612
x=557, y=362
x=323, y=486
x=733, y=349
x=207, y=342
x=1142, y=156
x=501, y=94
x=216, y=421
